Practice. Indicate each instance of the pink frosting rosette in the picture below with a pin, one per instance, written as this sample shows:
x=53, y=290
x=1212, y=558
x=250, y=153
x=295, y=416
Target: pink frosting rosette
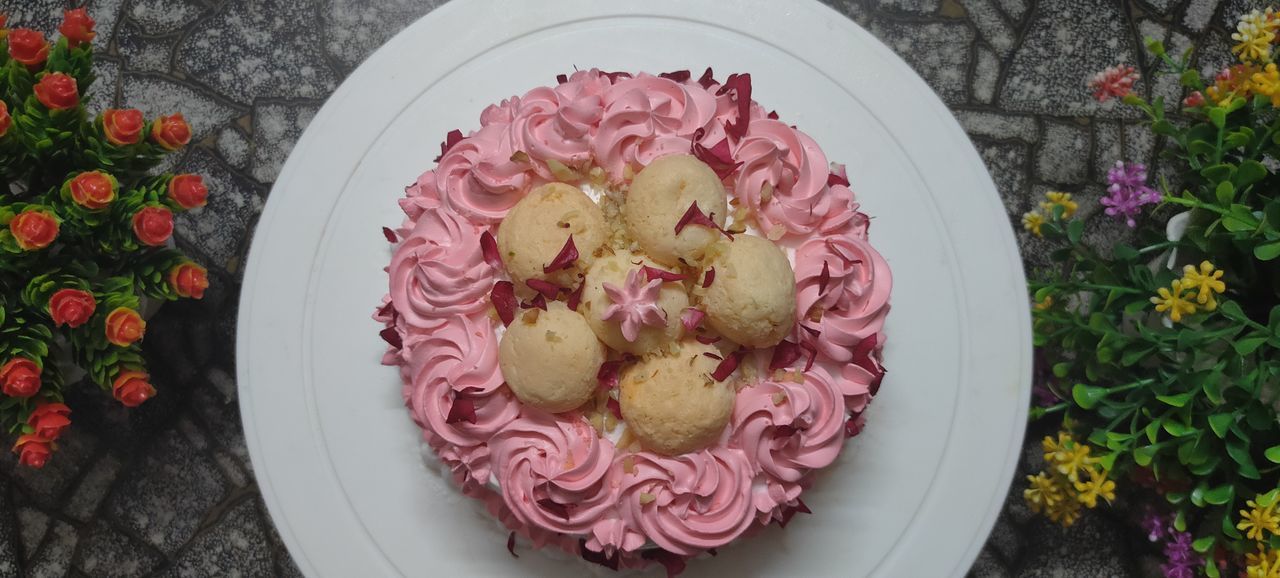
x=852, y=303
x=438, y=271
x=420, y=197
x=502, y=113
x=461, y=354
x=796, y=171
x=856, y=384
x=550, y=126
x=689, y=503
x=555, y=472
x=787, y=430
x=478, y=177
x=432, y=398
x=647, y=117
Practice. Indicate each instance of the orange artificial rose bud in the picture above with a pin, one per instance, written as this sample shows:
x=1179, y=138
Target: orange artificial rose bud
x=20, y=377
x=49, y=419
x=125, y=326
x=122, y=126
x=153, y=225
x=77, y=27
x=5, y=120
x=71, y=307
x=93, y=190
x=57, y=91
x=188, y=191
x=34, y=229
x=132, y=388
x=33, y=450
x=171, y=132
x=189, y=280
x=28, y=47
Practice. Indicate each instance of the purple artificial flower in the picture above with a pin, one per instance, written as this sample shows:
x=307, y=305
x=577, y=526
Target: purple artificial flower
x=1127, y=191
x=1156, y=525
x=1182, y=560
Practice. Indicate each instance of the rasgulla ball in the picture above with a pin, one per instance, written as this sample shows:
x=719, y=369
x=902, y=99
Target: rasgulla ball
x=672, y=404
x=752, y=300
x=613, y=269
x=536, y=228
x=660, y=194
x=551, y=362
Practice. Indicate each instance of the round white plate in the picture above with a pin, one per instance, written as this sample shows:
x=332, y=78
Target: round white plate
x=336, y=455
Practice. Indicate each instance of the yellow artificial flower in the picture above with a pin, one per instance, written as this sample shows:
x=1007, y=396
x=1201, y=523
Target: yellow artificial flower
x=1098, y=486
x=1041, y=493
x=1055, y=450
x=1075, y=460
x=1032, y=222
x=1254, y=35
x=1065, y=512
x=1173, y=301
x=1264, y=564
x=1044, y=304
x=1206, y=280
x=1267, y=83
x=1257, y=520
x=1056, y=199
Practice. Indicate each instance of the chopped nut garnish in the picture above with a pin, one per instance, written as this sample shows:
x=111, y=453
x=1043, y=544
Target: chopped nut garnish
x=646, y=498
x=530, y=317
x=568, y=462
x=553, y=337
x=562, y=172
x=776, y=232
x=597, y=422
x=797, y=377
x=610, y=422
x=766, y=192
x=779, y=398
x=629, y=464
x=519, y=157
x=628, y=173
x=815, y=313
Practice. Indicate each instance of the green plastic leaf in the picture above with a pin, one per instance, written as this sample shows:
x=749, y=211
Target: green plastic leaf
x=1178, y=429
x=1247, y=345
x=1219, y=423
x=1267, y=251
x=1178, y=400
x=1249, y=172
x=1232, y=310
x=1218, y=172
x=1087, y=396
x=1211, y=568
x=1075, y=229
x=1190, y=77
x=1239, y=452
x=1143, y=455
x=1225, y=193
x=1218, y=116
x=1273, y=454
x=1220, y=495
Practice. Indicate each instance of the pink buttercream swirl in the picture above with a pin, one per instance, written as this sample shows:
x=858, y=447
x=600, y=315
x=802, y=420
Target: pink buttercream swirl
x=420, y=197
x=695, y=501
x=557, y=123
x=787, y=430
x=555, y=472
x=647, y=117
x=478, y=176
x=438, y=271
x=431, y=395
x=795, y=169
x=461, y=354
x=855, y=301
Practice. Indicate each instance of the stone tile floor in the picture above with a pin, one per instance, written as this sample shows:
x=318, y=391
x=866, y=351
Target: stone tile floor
x=168, y=489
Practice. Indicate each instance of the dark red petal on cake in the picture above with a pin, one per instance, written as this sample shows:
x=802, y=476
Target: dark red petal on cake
x=615, y=408
x=785, y=430
x=788, y=513
x=784, y=354
x=677, y=76
x=545, y=288
x=824, y=278
x=874, y=387
x=773, y=115
x=609, y=374
x=392, y=337
x=538, y=302
x=565, y=259
x=562, y=78
x=813, y=331
x=695, y=216
x=707, y=339
x=388, y=309
x=852, y=427
x=862, y=354
x=511, y=545
x=651, y=273
x=503, y=298
x=674, y=563
x=728, y=365
x=835, y=179
x=454, y=137
x=709, y=278
x=718, y=157
x=740, y=85
x=712, y=356
x=691, y=318
x=614, y=77
x=555, y=508
x=489, y=248
x=713, y=552
x=463, y=410
x=707, y=79
x=575, y=297
x=812, y=354
x=390, y=235
x=610, y=562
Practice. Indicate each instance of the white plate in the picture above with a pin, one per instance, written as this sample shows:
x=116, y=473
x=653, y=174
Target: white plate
x=335, y=452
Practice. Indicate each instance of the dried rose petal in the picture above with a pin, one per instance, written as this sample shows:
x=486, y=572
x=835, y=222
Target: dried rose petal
x=538, y=302
x=728, y=365
x=511, y=545
x=712, y=356
x=788, y=513
x=608, y=561
x=614, y=77
x=390, y=235
x=718, y=157
x=503, y=298
x=707, y=80
x=575, y=297
x=785, y=430
x=773, y=115
x=562, y=78
x=709, y=278
x=609, y=374
x=740, y=85
x=837, y=178
x=614, y=407
x=852, y=427
x=454, y=137
x=824, y=278
x=680, y=76
x=812, y=354
x=862, y=354
x=556, y=508
x=784, y=354
x=545, y=288
x=691, y=318
x=388, y=309
x=815, y=332
x=651, y=273
x=707, y=340
x=695, y=216
x=392, y=337
x=463, y=410
x=489, y=248
x=565, y=259
x=674, y=563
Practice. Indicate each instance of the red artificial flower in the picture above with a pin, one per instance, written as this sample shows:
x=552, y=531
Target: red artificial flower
x=77, y=27
x=125, y=326
x=188, y=191
x=20, y=377
x=57, y=91
x=171, y=132
x=71, y=307
x=33, y=450
x=49, y=419
x=93, y=190
x=122, y=127
x=1113, y=82
x=5, y=120
x=189, y=280
x=34, y=229
x=1193, y=100
x=28, y=47
x=132, y=387
x=153, y=225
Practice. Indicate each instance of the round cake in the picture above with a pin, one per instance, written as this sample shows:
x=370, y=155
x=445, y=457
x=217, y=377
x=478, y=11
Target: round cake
x=634, y=314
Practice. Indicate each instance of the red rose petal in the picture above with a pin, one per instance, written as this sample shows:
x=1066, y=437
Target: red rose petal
x=545, y=288
x=556, y=508
x=680, y=76
x=862, y=354
x=562, y=78
x=740, y=85
x=824, y=278
x=784, y=354
x=489, y=247
x=388, y=309
x=538, y=302
x=835, y=179
x=718, y=157
x=392, y=337
x=713, y=552
x=852, y=427
x=691, y=318
x=674, y=563
x=812, y=354
x=709, y=277
x=454, y=137
x=390, y=235
x=503, y=298
x=609, y=374
x=728, y=365
x=773, y=115
x=707, y=80
x=565, y=259
x=812, y=331
x=575, y=298
x=707, y=340
x=712, y=356
x=651, y=273
x=785, y=430
x=511, y=545
x=788, y=513
x=614, y=77
x=615, y=408
x=695, y=216
x=463, y=410
x=610, y=561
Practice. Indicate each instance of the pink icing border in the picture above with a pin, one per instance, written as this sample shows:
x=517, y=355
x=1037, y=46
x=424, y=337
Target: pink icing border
x=561, y=485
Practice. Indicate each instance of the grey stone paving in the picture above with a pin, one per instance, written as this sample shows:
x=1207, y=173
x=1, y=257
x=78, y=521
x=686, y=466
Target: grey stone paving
x=168, y=489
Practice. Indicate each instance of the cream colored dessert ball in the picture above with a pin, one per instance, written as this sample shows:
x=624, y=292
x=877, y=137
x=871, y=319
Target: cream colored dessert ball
x=660, y=195
x=672, y=404
x=551, y=362
x=752, y=300
x=536, y=228
x=613, y=269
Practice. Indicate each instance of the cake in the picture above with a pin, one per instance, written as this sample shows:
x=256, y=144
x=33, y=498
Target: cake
x=633, y=314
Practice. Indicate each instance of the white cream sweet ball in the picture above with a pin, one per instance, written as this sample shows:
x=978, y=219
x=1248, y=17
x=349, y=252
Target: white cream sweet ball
x=672, y=404
x=752, y=300
x=550, y=362
x=660, y=194
x=613, y=269
x=536, y=229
